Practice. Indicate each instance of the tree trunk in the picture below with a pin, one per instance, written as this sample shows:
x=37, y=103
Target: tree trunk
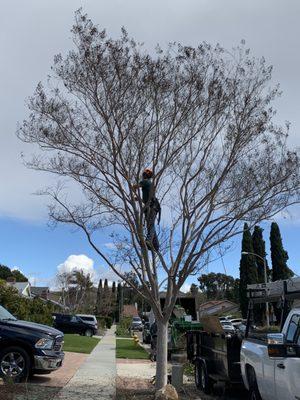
x=161, y=354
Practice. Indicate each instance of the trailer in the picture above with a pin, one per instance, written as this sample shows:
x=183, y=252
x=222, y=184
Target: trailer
x=215, y=354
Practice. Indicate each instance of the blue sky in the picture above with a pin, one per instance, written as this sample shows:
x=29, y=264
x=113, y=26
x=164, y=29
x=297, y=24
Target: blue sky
x=37, y=249
x=32, y=32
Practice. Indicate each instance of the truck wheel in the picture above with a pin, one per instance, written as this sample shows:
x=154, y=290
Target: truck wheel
x=253, y=388
x=88, y=333
x=202, y=379
x=14, y=364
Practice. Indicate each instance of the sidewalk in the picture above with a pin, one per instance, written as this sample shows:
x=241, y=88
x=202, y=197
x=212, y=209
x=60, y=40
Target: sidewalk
x=96, y=378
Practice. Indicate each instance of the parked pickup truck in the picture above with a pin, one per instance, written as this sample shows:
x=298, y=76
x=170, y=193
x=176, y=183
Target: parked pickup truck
x=270, y=363
x=267, y=364
x=27, y=348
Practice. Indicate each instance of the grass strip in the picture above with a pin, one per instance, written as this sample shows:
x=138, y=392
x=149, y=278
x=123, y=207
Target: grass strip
x=79, y=344
x=126, y=348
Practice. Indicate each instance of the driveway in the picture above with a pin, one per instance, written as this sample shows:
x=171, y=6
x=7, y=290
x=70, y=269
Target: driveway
x=44, y=387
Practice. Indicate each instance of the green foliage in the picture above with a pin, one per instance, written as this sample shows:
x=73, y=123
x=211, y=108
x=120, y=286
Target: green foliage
x=79, y=344
x=123, y=327
x=194, y=289
x=260, y=249
x=34, y=310
x=219, y=286
x=6, y=273
x=104, y=321
x=189, y=369
x=108, y=322
x=248, y=269
x=279, y=256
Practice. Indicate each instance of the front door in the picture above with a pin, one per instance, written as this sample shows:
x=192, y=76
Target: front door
x=287, y=370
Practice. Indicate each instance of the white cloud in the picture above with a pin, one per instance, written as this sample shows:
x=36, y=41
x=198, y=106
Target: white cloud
x=79, y=262
x=185, y=288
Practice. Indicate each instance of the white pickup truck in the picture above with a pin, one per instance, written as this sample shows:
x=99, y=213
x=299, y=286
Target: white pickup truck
x=270, y=365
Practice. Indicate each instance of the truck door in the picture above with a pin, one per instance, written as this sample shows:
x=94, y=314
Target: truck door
x=287, y=370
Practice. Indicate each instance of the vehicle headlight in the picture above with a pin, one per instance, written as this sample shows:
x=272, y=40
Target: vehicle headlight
x=45, y=344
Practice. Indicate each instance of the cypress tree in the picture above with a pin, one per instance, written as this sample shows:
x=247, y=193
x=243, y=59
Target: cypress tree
x=279, y=256
x=119, y=302
x=248, y=269
x=99, y=297
x=259, y=248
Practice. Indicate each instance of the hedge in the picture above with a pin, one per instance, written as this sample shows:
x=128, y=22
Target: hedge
x=34, y=310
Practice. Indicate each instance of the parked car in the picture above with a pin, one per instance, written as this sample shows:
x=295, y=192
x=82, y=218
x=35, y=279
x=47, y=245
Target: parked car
x=227, y=326
x=73, y=324
x=236, y=321
x=28, y=348
x=146, y=333
x=91, y=319
x=136, y=324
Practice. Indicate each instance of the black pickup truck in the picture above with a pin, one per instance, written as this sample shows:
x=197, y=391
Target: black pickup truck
x=27, y=348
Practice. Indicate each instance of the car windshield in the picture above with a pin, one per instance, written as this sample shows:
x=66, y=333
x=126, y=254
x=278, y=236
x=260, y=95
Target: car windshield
x=5, y=315
x=226, y=323
x=136, y=319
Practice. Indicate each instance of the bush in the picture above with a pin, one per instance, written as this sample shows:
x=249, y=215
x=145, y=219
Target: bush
x=104, y=322
x=123, y=327
x=108, y=322
x=34, y=310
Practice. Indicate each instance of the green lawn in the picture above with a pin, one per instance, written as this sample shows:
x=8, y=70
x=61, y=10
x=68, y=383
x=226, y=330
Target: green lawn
x=79, y=344
x=126, y=348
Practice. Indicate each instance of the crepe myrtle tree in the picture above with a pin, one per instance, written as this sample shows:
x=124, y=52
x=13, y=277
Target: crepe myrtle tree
x=200, y=117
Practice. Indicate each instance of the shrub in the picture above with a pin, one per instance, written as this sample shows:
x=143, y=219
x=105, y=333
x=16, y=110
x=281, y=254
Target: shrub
x=124, y=327
x=108, y=322
x=34, y=310
x=104, y=322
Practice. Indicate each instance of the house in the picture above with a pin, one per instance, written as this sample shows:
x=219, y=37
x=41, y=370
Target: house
x=23, y=288
x=40, y=291
x=130, y=310
x=217, y=307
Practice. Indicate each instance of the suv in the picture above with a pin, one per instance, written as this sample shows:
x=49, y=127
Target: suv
x=90, y=319
x=136, y=324
x=27, y=348
x=73, y=324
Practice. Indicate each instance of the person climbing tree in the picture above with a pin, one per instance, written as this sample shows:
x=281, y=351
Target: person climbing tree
x=152, y=208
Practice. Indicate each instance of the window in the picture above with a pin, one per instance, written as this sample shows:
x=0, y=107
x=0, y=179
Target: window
x=74, y=319
x=293, y=329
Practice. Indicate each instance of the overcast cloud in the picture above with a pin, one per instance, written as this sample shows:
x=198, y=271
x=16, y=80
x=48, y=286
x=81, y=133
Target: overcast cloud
x=31, y=32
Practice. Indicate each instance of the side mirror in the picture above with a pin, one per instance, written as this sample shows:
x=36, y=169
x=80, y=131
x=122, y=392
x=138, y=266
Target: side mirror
x=276, y=345
x=276, y=338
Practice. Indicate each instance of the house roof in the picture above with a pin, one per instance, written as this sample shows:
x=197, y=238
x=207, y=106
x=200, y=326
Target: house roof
x=38, y=290
x=214, y=303
x=20, y=286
